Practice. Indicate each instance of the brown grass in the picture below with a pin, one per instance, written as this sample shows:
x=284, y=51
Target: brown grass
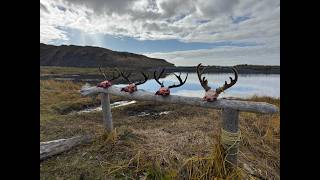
x=180, y=145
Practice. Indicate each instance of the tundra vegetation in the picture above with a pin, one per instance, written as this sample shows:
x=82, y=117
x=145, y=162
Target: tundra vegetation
x=182, y=144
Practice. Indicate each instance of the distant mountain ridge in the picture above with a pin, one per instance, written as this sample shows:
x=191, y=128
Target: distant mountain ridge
x=242, y=69
x=88, y=56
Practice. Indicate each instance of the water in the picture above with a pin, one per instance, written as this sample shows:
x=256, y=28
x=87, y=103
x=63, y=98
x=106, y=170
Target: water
x=113, y=105
x=247, y=85
x=120, y=104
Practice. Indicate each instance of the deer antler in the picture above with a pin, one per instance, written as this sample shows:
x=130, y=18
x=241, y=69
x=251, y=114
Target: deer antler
x=103, y=73
x=226, y=85
x=180, y=81
x=125, y=76
x=114, y=77
x=105, y=77
x=157, y=78
x=141, y=82
x=203, y=81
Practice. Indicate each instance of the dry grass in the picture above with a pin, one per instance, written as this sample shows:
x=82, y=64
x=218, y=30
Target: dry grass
x=67, y=70
x=180, y=145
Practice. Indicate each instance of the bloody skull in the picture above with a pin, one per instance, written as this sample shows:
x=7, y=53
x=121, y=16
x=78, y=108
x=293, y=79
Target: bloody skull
x=104, y=84
x=130, y=88
x=212, y=95
x=107, y=83
x=163, y=91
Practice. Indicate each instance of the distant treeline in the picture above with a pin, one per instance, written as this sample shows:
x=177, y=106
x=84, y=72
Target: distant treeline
x=242, y=69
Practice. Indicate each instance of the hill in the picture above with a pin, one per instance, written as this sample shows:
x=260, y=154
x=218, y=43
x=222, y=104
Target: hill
x=88, y=56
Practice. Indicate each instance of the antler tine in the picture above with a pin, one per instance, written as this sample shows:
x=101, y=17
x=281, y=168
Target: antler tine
x=104, y=75
x=162, y=71
x=226, y=85
x=180, y=81
x=145, y=79
x=114, y=77
x=203, y=81
x=126, y=77
x=123, y=75
x=157, y=78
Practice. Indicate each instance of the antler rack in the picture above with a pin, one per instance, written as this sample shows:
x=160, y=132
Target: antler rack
x=172, y=86
x=105, y=77
x=126, y=77
x=204, y=81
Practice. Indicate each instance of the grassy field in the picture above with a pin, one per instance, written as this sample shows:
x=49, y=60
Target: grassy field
x=180, y=145
x=67, y=70
x=50, y=70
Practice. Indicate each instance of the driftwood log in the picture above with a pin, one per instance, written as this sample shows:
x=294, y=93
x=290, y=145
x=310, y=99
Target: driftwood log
x=51, y=148
x=258, y=107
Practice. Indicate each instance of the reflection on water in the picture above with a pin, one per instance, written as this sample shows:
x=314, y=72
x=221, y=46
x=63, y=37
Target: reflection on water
x=113, y=105
x=247, y=85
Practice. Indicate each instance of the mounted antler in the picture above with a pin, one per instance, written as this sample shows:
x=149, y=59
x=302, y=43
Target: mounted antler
x=142, y=82
x=132, y=87
x=125, y=76
x=203, y=81
x=157, y=78
x=180, y=81
x=107, y=82
x=226, y=85
x=165, y=91
x=212, y=95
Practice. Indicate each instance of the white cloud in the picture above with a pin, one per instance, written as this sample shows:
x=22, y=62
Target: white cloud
x=163, y=19
x=186, y=20
x=227, y=56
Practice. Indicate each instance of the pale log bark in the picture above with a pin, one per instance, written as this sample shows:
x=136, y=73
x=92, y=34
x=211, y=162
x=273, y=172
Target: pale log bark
x=51, y=148
x=258, y=107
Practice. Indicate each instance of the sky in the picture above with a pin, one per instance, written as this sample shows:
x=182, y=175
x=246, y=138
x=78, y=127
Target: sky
x=183, y=32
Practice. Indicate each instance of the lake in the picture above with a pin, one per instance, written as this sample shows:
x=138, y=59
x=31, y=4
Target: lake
x=246, y=87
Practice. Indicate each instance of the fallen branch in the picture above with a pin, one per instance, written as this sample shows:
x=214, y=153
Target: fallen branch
x=51, y=148
x=248, y=106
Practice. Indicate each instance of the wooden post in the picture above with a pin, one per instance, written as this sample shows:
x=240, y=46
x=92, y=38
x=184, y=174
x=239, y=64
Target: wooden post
x=106, y=111
x=230, y=126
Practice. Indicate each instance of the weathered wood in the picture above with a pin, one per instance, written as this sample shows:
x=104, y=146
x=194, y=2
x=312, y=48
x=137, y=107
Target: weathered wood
x=230, y=123
x=260, y=107
x=51, y=148
x=106, y=112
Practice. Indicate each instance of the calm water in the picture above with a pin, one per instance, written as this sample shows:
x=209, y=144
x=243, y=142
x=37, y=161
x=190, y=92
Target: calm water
x=247, y=85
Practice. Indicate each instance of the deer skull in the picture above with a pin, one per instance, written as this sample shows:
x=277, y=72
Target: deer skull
x=104, y=84
x=163, y=91
x=132, y=87
x=107, y=83
x=210, y=95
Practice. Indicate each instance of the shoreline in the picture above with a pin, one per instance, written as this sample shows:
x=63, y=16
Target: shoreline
x=242, y=69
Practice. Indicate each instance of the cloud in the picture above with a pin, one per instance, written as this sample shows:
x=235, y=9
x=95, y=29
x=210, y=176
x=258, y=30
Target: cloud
x=226, y=55
x=105, y=6
x=166, y=19
x=207, y=21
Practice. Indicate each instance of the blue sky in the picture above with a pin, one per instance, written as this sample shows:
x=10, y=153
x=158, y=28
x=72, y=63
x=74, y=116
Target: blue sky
x=129, y=44
x=184, y=32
